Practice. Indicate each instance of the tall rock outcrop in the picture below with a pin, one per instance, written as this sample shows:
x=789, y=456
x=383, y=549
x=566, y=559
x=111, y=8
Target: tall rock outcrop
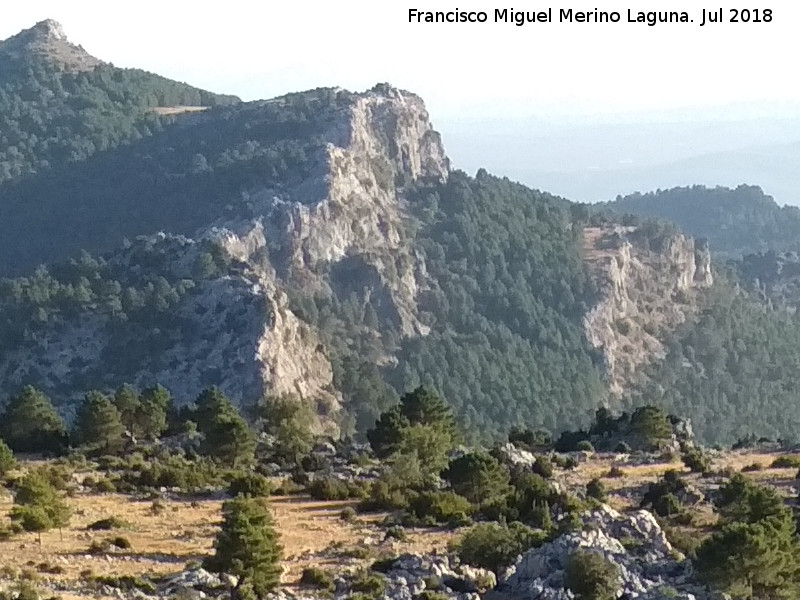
x=47, y=40
x=648, y=286
x=231, y=325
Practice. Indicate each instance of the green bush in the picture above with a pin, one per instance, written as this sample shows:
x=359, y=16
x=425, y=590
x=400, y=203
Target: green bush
x=126, y=582
x=108, y=524
x=543, y=466
x=753, y=467
x=7, y=461
x=318, y=578
x=496, y=547
x=595, y=489
x=396, y=533
x=332, y=488
x=584, y=446
x=120, y=542
x=441, y=506
x=103, y=486
x=249, y=484
x=478, y=477
x=591, y=576
x=369, y=583
x=696, y=461
x=662, y=495
x=348, y=514
x=788, y=461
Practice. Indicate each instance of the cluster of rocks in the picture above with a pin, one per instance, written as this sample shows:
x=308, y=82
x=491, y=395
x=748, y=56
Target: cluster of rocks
x=649, y=567
x=345, y=460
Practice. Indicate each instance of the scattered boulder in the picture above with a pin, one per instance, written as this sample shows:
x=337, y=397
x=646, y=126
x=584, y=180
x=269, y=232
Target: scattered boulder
x=649, y=568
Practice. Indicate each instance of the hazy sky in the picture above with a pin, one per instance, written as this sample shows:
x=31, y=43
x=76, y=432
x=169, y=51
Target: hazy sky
x=262, y=49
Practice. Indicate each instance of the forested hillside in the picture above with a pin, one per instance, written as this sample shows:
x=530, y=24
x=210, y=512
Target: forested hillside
x=507, y=294
x=319, y=245
x=734, y=370
x=734, y=221
x=178, y=179
x=53, y=113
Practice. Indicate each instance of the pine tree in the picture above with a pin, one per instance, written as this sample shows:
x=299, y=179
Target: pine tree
x=38, y=506
x=126, y=399
x=99, y=426
x=591, y=576
x=247, y=546
x=421, y=407
x=753, y=560
x=479, y=477
x=290, y=420
x=151, y=418
x=226, y=435
x=30, y=423
x=7, y=461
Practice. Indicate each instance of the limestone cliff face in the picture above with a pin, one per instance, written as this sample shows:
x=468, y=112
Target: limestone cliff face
x=235, y=329
x=644, y=294
x=353, y=207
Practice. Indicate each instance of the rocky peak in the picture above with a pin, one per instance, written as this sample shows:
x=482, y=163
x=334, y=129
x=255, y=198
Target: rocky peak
x=47, y=40
x=648, y=284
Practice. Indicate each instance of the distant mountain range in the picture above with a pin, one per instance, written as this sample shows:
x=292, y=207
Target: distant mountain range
x=592, y=162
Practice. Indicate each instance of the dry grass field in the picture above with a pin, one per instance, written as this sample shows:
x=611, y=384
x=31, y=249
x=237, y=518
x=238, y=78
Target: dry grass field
x=166, y=535
x=177, y=110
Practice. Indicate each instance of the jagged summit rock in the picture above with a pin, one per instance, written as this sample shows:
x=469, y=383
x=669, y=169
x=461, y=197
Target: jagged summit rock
x=47, y=40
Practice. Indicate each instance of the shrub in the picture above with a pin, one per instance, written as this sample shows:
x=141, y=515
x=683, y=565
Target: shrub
x=249, y=484
x=530, y=491
x=348, y=515
x=478, y=477
x=615, y=472
x=120, y=542
x=176, y=472
x=663, y=494
x=495, y=547
x=369, y=583
x=317, y=578
x=788, y=461
x=584, y=446
x=696, y=461
x=543, y=466
x=103, y=486
x=441, y=506
x=99, y=547
x=623, y=448
x=396, y=533
x=595, y=489
x=431, y=595
x=332, y=488
x=752, y=467
x=7, y=461
x=126, y=582
x=384, y=565
x=590, y=576
x=740, y=499
x=108, y=524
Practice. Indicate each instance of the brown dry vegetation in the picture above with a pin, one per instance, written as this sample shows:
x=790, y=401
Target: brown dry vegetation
x=177, y=110
x=312, y=533
x=164, y=541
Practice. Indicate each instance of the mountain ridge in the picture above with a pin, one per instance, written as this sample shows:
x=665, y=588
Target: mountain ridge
x=47, y=40
x=320, y=245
